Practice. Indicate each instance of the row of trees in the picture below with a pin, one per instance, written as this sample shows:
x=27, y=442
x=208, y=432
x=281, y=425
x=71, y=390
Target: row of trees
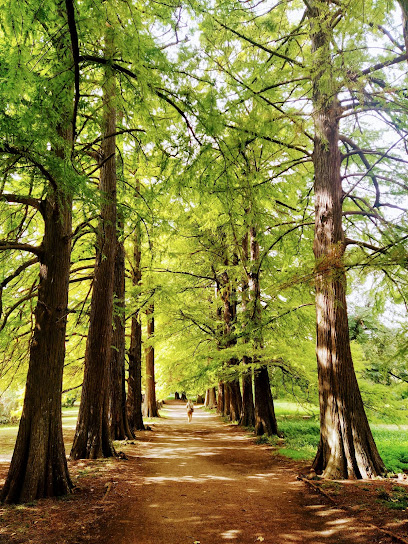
x=161, y=160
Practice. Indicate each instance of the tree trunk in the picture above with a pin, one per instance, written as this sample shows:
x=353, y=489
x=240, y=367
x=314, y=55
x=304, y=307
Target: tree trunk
x=210, y=398
x=39, y=467
x=221, y=399
x=404, y=8
x=150, y=404
x=265, y=420
x=227, y=400
x=347, y=448
x=92, y=437
x=119, y=426
x=134, y=401
x=248, y=408
x=235, y=400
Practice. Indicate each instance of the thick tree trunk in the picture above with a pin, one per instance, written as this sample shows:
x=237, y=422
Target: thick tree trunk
x=347, y=448
x=210, y=398
x=92, y=437
x=119, y=426
x=221, y=399
x=150, y=404
x=235, y=400
x=248, y=408
x=265, y=420
x=39, y=467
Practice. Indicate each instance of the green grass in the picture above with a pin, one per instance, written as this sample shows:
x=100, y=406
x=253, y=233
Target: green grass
x=392, y=443
x=301, y=434
x=397, y=499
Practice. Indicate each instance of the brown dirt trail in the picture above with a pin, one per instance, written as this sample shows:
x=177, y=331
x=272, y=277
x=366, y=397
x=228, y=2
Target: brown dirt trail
x=207, y=482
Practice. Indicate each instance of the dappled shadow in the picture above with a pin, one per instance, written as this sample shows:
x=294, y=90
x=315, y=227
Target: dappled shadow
x=207, y=482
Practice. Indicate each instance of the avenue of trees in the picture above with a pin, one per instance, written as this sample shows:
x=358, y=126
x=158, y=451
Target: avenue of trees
x=188, y=193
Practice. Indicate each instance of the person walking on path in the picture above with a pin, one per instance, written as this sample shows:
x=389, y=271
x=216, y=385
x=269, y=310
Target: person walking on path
x=190, y=410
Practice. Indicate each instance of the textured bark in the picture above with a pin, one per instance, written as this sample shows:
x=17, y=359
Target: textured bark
x=227, y=401
x=265, y=420
x=150, y=404
x=232, y=391
x=248, y=408
x=210, y=398
x=221, y=399
x=92, y=437
x=119, y=426
x=235, y=400
x=134, y=400
x=39, y=467
x=347, y=448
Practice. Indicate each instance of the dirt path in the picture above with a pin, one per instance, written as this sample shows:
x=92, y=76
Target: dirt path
x=208, y=483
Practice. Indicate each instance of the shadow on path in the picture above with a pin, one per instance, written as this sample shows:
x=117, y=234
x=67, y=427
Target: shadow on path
x=207, y=482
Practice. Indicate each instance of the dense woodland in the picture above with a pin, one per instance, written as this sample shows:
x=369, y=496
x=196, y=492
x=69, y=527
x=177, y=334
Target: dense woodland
x=189, y=190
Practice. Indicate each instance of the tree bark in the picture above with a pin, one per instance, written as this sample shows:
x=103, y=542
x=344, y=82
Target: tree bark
x=92, y=437
x=347, y=448
x=265, y=420
x=227, y=401
x=119, y=426
x=248, y=408
x=134, y=401
x=221, y=399
x=210, y=398
x=235, y=399
x=39, y=467
x=150, y=403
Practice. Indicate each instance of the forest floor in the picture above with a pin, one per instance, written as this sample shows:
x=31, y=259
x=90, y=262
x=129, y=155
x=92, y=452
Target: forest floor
x=203, y=483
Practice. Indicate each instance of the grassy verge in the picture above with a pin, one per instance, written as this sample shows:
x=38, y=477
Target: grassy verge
x=300, y=430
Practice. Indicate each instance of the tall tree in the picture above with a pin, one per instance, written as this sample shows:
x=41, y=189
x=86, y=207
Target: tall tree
x=38, y=467
x=248, y=408
x=119, y=424
x=92, y=436
x=265, y=419
x=150, y=403
x=134, y=400
x=346, y=448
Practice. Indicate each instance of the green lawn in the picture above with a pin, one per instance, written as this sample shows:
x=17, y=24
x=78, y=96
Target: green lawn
x=301, y=434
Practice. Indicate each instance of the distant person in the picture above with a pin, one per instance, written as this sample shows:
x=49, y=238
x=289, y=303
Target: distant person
x=190, y=410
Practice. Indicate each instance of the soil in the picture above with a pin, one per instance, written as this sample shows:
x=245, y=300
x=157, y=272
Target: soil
x=204, y=482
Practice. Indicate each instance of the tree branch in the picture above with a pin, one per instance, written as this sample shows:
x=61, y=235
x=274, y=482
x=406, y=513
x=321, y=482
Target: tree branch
x=252, y=42
x=75, y=55
x=37, y=250
x=26, y=200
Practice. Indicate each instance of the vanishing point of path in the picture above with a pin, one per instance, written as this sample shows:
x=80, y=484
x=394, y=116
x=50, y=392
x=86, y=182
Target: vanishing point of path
x=208, y=483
